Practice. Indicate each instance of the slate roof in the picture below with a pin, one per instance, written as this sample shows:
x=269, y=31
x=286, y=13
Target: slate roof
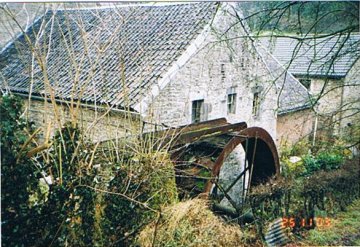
x=315, y=57
x=293, y=96
x=136, y=43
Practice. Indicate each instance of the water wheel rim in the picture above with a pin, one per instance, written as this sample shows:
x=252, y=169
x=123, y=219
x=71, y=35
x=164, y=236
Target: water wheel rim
x=267, y=145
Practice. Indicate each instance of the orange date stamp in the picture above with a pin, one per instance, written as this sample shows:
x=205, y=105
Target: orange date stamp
x=306, y=222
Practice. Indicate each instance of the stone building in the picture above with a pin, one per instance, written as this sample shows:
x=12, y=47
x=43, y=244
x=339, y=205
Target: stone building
x=329, y=68
x=167, y=64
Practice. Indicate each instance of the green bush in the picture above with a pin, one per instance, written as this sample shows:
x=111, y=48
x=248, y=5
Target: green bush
x=293, y=169
x=323, y=161
x=298, y=149
x=311, y=164
x=18, y=177
x=68, y=214
x=330, y=161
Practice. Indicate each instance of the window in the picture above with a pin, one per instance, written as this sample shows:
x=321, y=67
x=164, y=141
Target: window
x=242, y=62
x=256, y=104
x=231, y=103
x=222, y=71
x=305, y=82
x=197, y=111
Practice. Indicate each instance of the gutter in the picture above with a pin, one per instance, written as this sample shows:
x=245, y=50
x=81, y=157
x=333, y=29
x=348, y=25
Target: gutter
x=319, y=76
x=135, y=114
x=304, y=107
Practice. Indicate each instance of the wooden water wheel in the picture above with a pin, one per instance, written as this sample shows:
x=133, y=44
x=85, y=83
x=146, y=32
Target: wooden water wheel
x=222, y=160
x=218, y=159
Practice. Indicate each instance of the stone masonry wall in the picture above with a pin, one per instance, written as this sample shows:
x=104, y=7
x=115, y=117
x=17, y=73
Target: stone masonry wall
x=330, y=100
x=98, y=125
x=294, y=126
x=350, y=116
x=209, y=74
x=338, y=110
x=339, y=106
x=351, y=113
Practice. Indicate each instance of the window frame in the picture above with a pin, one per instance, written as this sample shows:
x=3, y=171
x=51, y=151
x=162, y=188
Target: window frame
x=197, y=110
x=256, y=104
x=231, y=103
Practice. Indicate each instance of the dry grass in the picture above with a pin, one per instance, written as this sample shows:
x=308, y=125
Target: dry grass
x=190, y=223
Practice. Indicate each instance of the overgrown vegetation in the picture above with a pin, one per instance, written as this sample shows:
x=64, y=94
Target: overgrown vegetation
x=303, y=159
x=74, y=193
x=320, y=182
x=70, y=192
x=149, y=177
x=91, y=197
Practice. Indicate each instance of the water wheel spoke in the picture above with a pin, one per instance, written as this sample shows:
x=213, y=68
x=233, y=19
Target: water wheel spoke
x=236, y=180
x=227, y=196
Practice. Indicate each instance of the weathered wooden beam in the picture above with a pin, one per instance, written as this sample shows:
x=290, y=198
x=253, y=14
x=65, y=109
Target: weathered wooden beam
x=203, y=133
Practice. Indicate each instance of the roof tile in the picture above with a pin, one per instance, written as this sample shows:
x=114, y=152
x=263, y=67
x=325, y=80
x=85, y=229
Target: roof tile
x=141, y=41
x=332, y=56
